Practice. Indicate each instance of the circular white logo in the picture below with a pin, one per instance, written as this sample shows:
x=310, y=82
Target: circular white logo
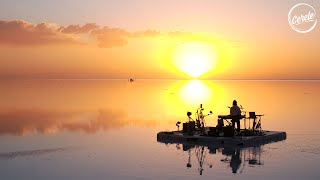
x=302, y=18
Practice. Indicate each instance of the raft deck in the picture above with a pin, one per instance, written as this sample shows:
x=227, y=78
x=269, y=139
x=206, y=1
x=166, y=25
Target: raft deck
x=179, y=137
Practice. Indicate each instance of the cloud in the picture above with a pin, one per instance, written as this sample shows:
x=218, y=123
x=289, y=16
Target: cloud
x=22, y=33
x=77, y=29
x=110, y=37
x=147, y=33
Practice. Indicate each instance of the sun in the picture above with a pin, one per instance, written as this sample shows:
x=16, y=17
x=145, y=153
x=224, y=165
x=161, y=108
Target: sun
x=195, y=58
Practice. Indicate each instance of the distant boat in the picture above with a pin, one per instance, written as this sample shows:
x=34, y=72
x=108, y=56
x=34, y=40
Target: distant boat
x=131, y=80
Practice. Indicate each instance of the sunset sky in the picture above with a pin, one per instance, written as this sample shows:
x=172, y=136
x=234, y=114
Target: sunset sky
x=155, y=39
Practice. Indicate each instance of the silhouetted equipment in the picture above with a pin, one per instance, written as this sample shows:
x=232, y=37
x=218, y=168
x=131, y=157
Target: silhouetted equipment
x=244, y=113
x=189, y=114
x=213, y=131
x=256, y=124
x=189, y=127
x=178, y=124
x=198, y=126
x=229, y=117
x=220, y=122
x=220, y=126
x=228, y=131
x=252, y=115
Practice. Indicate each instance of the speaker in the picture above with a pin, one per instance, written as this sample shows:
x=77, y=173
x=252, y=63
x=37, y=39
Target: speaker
x=212, y=133
x=228, y=131
x=188, y=127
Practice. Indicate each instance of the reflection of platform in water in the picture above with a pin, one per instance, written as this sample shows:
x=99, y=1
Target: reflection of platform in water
x=179, y=137
x=234, y=156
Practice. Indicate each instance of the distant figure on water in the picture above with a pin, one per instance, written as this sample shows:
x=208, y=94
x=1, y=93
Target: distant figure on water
x=235, y=113
x=131, y=80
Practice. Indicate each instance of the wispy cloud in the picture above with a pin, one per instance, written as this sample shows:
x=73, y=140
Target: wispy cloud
x=77, y=29
x=110, y=37
x=22, y=33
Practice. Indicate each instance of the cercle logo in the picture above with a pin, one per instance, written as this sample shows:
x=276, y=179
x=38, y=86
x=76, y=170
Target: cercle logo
x=302, y=18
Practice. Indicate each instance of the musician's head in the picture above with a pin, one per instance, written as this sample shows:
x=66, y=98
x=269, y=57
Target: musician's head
x=235, y=102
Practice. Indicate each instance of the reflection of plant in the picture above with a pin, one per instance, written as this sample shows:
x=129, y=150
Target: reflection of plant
x=189, y=160
x=201, y=153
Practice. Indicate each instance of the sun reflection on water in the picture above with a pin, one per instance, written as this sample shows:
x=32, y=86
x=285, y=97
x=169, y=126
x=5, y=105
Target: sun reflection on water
x=195, y=92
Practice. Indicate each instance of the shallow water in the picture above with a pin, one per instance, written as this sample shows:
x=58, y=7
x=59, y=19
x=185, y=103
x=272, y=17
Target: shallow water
x=106, y=129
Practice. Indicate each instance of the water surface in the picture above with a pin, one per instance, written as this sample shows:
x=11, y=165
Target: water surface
x=106, y=129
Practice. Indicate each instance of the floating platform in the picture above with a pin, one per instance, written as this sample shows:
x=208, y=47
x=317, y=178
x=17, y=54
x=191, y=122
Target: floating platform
x=179, y=137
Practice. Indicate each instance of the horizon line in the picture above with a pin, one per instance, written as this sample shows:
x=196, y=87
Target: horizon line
x=173, y=79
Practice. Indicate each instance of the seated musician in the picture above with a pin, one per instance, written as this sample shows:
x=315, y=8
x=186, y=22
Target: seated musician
x=235, y=113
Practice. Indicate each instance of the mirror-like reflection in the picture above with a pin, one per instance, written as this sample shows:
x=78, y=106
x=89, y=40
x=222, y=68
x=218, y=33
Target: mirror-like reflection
x=236, y=159
x=118, y=119
x=12, y=155
x=47, y=106
x=26, y=122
